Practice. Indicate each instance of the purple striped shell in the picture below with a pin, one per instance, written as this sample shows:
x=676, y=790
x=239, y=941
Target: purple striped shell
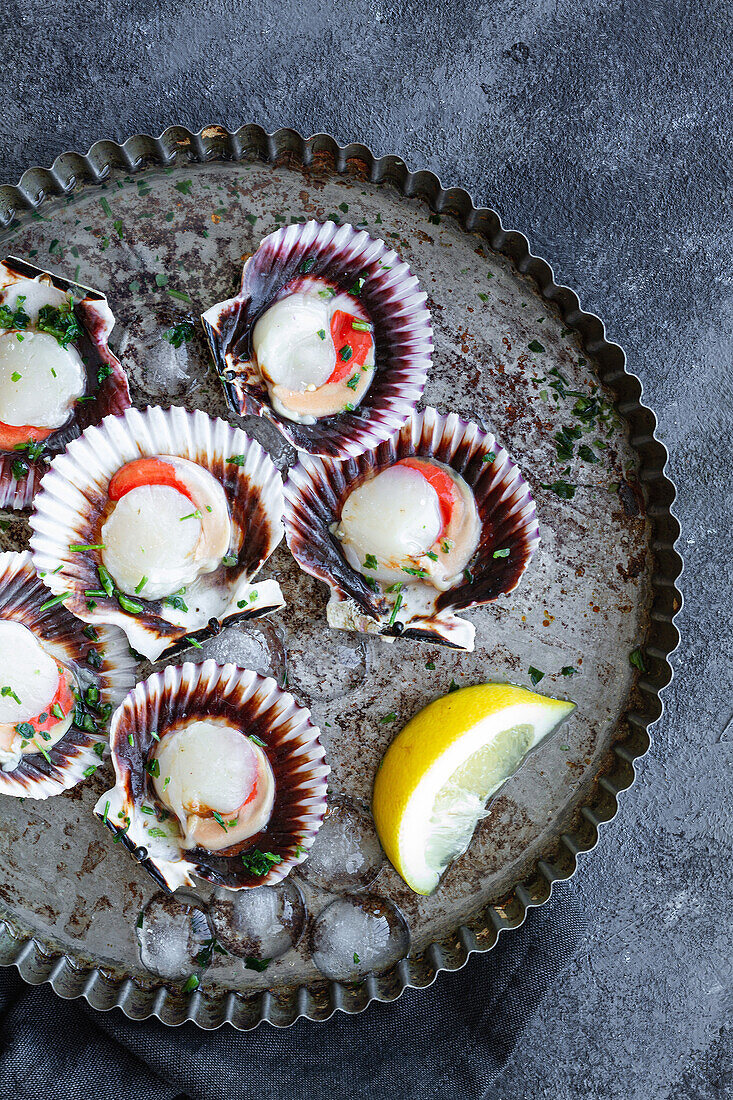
x=390, y=295
x=317, y=488
x=99, y=660
x=107, y=384
x=73, y=503
x=257, y=706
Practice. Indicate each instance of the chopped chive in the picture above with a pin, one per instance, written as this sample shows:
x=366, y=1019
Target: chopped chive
x=191, y=515
x=194, y=642
x=370, y=562
x=535, y=674
x=9, y=691
x=430, y=666
x=413, y=572
x=395, y=609
x=44, y=753
x=388, y=717
x=535, y=345
x=152, y=767
x=431, y=555
x=106, y=811
x=180, y=295
x=353, y=382
x=15, y=377
x=220, y=820
x=257, y=740
x=453, y=686
x=358, y=285
x=131, y=606
x=236, y=460
x=490, y=457
x=105, y=579
x=229, y=560
x=139, y=587
x=79, y=547
x=322, y=333
x=94, y=593
x=568, y=670
x=361, y=326
x=54, y=601
x=308, y=264
x=502, y=553
x=90, y=770
x=346, y=352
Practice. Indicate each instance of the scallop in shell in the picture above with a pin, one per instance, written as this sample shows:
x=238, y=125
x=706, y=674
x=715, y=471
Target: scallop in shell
x=159, y=521
x=60, y=682
x=57, y=373
x=219, y=774
x=329, y=337
x=432, y=522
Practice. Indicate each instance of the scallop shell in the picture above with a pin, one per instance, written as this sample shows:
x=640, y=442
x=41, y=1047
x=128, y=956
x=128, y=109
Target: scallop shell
x=70, y=508
x=316, y=489
x=256, y=705
x=102, y=661
x=391, y=296
x=112, y=395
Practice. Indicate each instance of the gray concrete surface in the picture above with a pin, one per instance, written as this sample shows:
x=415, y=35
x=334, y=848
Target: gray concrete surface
x=600, y=129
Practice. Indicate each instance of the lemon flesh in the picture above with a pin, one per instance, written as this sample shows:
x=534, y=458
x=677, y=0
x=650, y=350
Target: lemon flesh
x=440, y=771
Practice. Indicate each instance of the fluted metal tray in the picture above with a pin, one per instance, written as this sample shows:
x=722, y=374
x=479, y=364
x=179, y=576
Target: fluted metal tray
x=162, y=224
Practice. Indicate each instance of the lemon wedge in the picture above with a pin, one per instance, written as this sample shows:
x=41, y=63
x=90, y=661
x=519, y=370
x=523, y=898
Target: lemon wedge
x=438, y=774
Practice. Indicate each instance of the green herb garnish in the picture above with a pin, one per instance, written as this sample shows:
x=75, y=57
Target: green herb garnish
x=388, y=717
x=346, y=352
x=5, y=691
x=259, y=863
x=535, y=675
x=152, y=767
x=14, y=318
x=353, y=382
x=179, y=334
x=131, y=606
x=413, y=572
x=256, y=964
x=502, y=553
x=237, y=460
x=568, y=670
x=560, y=488
x=370, y=562
x=61, y=323
x=535, y=345
x=54, y=601
x=636, y=660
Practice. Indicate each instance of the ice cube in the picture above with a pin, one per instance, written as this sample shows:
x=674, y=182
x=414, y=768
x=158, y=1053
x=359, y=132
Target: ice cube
x=262, y=923
x=358, y=934
x=346, y=854
x=255, y=646
x=173, y=934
